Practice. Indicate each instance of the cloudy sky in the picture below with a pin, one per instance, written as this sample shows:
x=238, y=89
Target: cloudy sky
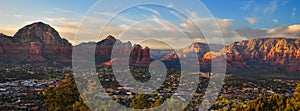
x=237, y=20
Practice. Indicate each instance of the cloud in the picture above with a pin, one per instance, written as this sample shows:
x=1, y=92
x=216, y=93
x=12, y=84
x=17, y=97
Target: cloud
x=158, y=29
x=225, y=27
x=170, y=5
x=268, y=8
x=166, y=26
x=271, y=8
x=251, y=33
x=275, y=21
x=286, y=31
x=60, y=19
x=202, y=40
x=15, y=15
x=67, y=27
x=116, y=17
x=149, y=9
x=173, y=33
x=8, y=30
x=293, y=28
x=247, y=6
x=155, y=44
x=251, y=20
x=62, y=10
x=294, y=12
x=149, y=30
x=282, y=31
x=178, y=15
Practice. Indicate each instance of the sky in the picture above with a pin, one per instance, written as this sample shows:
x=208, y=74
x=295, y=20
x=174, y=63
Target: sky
x=173, y=23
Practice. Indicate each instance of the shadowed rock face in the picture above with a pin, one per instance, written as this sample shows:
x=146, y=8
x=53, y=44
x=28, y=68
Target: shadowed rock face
x=108, y=45
x=111, y=50
x=5, y=43
x=136, y=55
x=37, y=42
x=140, y=56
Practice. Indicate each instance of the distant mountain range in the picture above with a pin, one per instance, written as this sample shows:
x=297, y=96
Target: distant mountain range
x=40, y=43
x=263, y=54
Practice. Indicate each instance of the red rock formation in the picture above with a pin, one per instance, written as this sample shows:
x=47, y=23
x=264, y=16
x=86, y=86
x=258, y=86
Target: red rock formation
x=272, y=52
x=35, y=49
x=35, y=43
x=143, y=57
x=1, y=51
x=110, y=48
x=113, y=50
x=35, y=53
x=140, y=56
x=6, y=43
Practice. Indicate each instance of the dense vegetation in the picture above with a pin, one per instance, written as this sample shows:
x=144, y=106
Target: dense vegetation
x=66, y=97
x=275, y=102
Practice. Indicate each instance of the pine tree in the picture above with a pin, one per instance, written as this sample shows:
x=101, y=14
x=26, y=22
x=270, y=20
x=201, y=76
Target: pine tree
x=140, y=101
x=157, y=102
x=65, y=97
x=297, y=97
x=289, y=108
x=80, y=106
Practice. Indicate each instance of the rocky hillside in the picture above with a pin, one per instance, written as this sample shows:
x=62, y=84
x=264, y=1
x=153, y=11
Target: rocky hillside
x=111, y=49
x=197, y=49
x=264, y=54
x=278, y=53
x=37, y=42
x=40, y=43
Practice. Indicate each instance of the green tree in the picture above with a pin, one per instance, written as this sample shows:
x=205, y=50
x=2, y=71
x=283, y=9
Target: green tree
x=157, y=102
x=65, y=97
x=297, y=97
x=275, y=102
x=80, y=106
x=140, y=101
x=289, y=108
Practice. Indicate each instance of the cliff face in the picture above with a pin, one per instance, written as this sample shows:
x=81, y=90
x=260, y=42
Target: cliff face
x=278, y=53
x=140, y=56
x=272, y=54
x=5, y=43
x=109, y=45
x=37, y=42
x=111, y=48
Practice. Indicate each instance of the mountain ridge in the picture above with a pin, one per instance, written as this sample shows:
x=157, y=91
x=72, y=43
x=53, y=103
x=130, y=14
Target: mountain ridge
x=39, y=42
x=273, y=54
x=36, y=42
